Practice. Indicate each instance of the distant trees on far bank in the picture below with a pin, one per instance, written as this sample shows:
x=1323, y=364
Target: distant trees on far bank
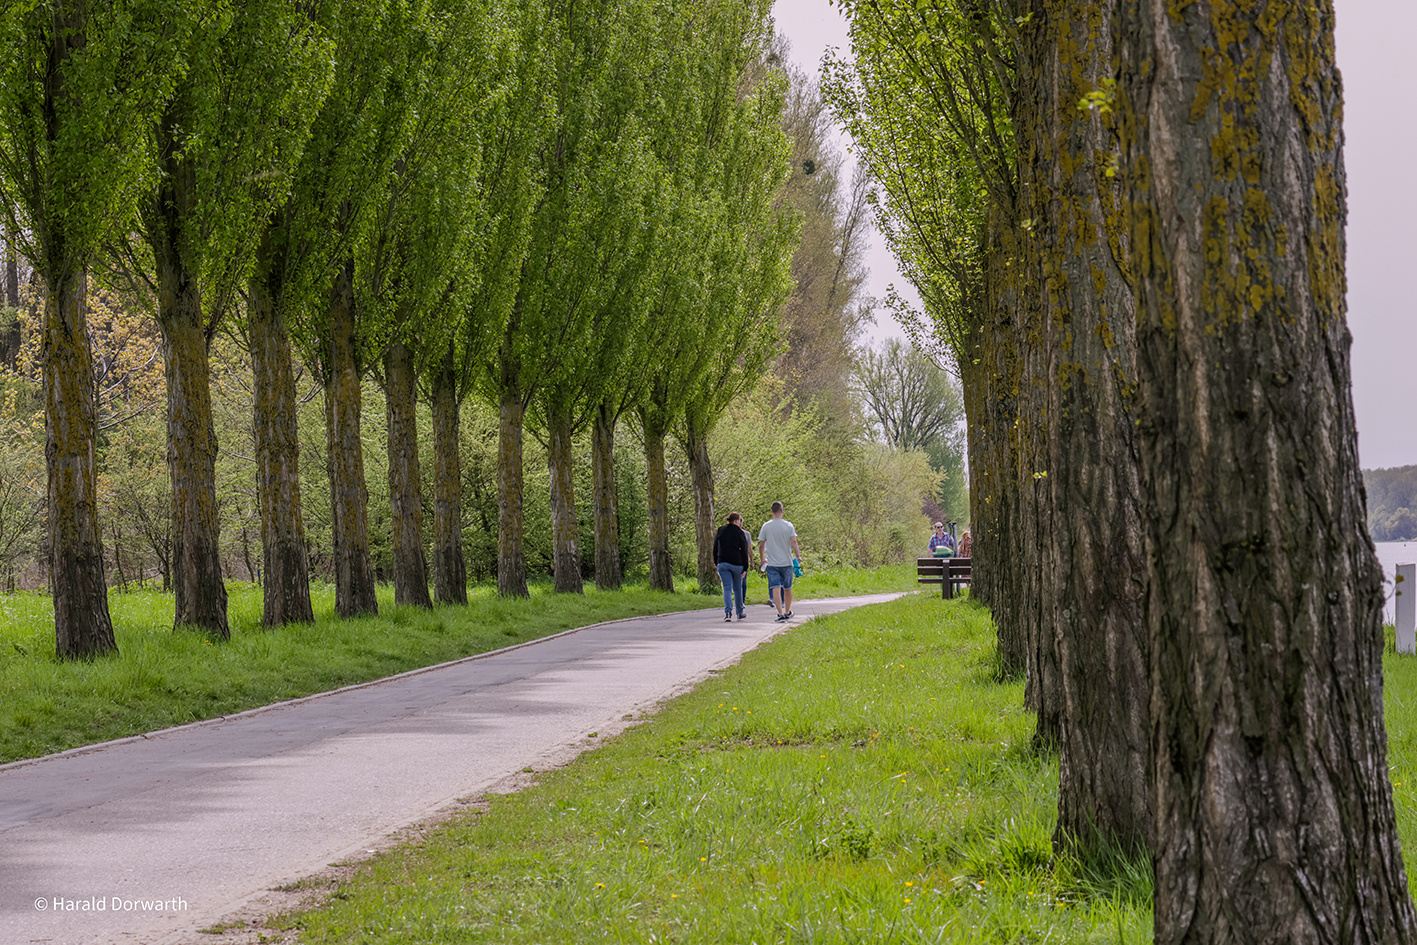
x=1392, y=503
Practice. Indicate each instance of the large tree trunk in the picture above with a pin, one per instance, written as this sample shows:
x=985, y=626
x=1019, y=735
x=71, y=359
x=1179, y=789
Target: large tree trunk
x=285, y=577
x=349, y=496
x=191, y=434
x=608, y=576
x=1275, y=818
x=511, y=486
x=82, y=627
x=449, y=567
x=405, y=478
x=661, y=572
x=997, y=541
x=1091, y=651
x=191, y=460
x=565, y=526
x=701, y=474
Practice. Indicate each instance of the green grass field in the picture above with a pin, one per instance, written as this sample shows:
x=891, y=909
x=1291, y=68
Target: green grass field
x=861, y=779
x=162, y=678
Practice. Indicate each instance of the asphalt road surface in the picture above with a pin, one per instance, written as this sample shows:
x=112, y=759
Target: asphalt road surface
x=145, y=840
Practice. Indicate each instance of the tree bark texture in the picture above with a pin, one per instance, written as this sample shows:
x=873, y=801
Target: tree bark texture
x=82, y=625
x=349, y=495
x=608, y=574
x=449, y=566
x=405, y=478
x=1275, y=818
x=191, y=434
x=285, y=574
x=565, y=526
x=661, y=572
x=994, y=396
x=1091, y=649
x=701, y=476
x=511, y=487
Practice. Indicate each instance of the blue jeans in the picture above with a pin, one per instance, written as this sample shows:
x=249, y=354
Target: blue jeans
x=734, y=578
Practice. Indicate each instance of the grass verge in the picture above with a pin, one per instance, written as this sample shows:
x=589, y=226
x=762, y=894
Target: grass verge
x=161, y=678
x=861, y=779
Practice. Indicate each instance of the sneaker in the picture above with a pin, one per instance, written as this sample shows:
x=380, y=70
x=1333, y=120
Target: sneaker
x=787, y=616
x=727, y=618
x=742, y=616
x=782, y=618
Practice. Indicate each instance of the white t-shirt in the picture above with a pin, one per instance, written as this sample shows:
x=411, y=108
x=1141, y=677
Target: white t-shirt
x=776, y=536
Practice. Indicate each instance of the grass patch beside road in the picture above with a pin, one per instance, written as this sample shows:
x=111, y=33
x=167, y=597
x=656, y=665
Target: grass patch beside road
x=860, y=779
x=837, y=582
x=161, y=678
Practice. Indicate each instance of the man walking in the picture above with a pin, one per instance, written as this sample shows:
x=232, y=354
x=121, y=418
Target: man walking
x=777, y=547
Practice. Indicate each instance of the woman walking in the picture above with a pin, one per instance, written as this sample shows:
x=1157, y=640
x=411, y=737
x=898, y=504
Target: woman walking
x=734, y=556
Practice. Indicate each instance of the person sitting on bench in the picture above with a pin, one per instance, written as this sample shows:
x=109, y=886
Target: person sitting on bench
x=942, y=544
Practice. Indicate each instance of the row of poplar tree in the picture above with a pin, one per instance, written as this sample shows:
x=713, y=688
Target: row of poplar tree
x=567, y=208
x=1126, y=221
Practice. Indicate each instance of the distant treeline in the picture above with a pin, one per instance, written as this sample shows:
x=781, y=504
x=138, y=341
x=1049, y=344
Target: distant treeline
x=1392, y=503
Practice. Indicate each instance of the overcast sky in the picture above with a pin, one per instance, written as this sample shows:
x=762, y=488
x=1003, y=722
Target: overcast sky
x=1381, y=130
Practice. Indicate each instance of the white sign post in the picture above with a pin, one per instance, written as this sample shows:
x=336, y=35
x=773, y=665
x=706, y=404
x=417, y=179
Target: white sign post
x=1407, y=608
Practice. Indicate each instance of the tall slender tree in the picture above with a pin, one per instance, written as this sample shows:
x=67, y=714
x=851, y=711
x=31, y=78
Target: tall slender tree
x=285, y=575
x=595, y=169
x=1054, y=338
x=78, y=83
x=748, y=280
x=425, y=254
x=1274, y=811
x=932, y=119
x=225, y=142
x=334, y=214
x=473, y=315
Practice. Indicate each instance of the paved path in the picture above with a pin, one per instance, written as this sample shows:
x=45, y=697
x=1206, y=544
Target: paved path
x=171, y=831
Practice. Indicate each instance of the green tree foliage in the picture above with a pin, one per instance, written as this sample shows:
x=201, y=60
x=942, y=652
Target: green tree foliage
x=598, y=220
x=915, y=404
x=78, y=84
x=825, y=313
x=854, y=501
x=225, y=142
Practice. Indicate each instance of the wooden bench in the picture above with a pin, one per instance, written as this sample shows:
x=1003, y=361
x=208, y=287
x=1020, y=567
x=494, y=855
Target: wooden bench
x=950, y=573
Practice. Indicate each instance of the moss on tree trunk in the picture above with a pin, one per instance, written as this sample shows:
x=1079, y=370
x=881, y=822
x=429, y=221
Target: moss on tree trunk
x=608, y=575
x=405, y=478
x=82, y=625
x=349, y=495
x=661, y=572
x=1274, y=810
x=565, y=526
x=449, y=566
x=511, y=488
x=285, y=577
x=1090, y=644
x=701, y=477
x=191, y=435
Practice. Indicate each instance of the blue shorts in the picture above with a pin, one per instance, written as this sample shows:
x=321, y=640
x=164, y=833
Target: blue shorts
x=779, y=577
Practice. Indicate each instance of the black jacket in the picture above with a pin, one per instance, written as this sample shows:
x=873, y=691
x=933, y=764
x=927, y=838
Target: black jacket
x=730, y=546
